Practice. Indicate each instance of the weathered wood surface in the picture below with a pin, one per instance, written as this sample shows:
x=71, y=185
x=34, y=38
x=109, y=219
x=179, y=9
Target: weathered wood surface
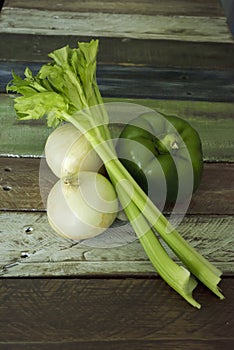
x=104, y=293
x=29, y=247
x=147, y=82
x=150, y=7
x=20, y=191
x=116, y=314
x=172, y=33
x=213, y=120
x=126, y=345
x=185, y=23
x=131, y=26
x=160, y=53
x=25, y=184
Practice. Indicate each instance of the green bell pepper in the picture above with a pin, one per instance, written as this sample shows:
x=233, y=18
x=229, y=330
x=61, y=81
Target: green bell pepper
x=164, y=155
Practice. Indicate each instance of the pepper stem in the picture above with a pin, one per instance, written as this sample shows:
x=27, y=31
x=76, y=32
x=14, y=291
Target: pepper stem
x=168, y=143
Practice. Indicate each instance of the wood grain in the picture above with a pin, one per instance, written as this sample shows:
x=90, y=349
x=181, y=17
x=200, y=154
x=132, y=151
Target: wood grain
x=150, y=7
x=147, y=82
x=213, y=120
x=104, y=293
x=25, y=184
x=29, y=247
x=125, y=345
x=114, y=313
x=133, y=26
x=172, y=34
x=160, y=53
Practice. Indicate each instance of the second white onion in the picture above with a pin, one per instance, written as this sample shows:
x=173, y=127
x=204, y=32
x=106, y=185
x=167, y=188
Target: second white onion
x=84, y=208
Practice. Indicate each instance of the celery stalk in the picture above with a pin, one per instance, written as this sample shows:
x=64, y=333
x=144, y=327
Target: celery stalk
x=176, y=276
x=207, y=273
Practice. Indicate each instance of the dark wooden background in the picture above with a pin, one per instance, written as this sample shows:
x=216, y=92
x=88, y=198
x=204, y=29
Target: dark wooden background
x=171, y=56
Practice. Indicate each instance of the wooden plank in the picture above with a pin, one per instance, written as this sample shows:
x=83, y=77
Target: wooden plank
x=124, y=345
x=147, y=82
x=25, y=194
x=228, y=6
x=25, y=184
x=79, y=312
x=215, y=194
x=214, y=121
x=91, y=269
x=164, y=83
x=176, y=20
x=160, y=53
x=29, y=247
x=209, y=8
x=133, y=26
x=15, y=140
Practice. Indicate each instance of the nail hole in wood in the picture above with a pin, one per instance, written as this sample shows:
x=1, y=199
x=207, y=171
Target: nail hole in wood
x=24, y=255
x=28, y=229
x=188, y=93
x=7, y=169
x=6, y=188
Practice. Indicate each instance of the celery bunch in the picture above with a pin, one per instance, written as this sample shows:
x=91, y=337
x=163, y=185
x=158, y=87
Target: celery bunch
x=66, y=90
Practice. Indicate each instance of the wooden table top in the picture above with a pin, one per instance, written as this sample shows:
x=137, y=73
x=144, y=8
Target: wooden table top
x=175, y=57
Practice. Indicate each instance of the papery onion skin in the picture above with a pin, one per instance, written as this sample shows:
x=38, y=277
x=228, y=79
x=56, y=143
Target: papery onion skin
x=76, y=211
x=67, y=152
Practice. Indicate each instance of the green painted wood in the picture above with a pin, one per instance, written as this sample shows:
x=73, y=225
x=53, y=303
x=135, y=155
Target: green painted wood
x=20, y=138
x=214, y=122
x=29, y=247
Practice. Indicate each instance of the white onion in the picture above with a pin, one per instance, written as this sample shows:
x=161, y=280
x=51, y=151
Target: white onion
x=84, y=208
x=67, y=152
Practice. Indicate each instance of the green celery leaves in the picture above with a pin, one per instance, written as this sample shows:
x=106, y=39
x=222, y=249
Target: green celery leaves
x=63, y=86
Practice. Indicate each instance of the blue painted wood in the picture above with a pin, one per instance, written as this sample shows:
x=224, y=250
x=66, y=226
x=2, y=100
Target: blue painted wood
x=148, y=82
x=228, y=6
